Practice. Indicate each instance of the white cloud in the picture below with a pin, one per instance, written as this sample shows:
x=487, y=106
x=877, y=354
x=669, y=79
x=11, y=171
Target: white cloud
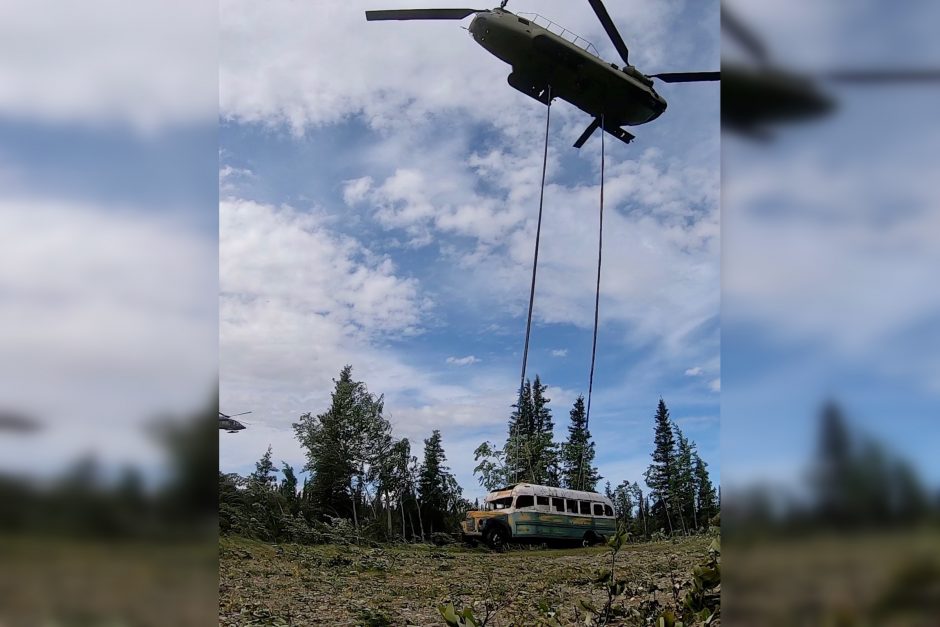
x=284, y=259
x=694, y=372
x=804, y=260
x=715, y=385
x=109, y=320
x=463, y=361
x=230, y=177
x=297, y=303
x=355, y=191
x=560, y=352
x=107, y=60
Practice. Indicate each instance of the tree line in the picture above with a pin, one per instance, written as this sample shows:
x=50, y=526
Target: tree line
x=681, y=496
x=357, y=472
x=364, y=482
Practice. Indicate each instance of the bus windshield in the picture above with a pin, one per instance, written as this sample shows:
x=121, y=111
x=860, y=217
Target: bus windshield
x=503, y=503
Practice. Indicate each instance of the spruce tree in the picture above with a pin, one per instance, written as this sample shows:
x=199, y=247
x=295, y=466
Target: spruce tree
x=684, y=487
x=660, y=476
x=288, y=488
x=704, y=491
x=438, y=490
x=636, y=493
x=519, y=446
x=545, y=467
x=577, y=454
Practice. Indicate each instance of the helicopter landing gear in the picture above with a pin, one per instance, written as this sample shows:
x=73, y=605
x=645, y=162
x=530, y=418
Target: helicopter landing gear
x=531, y=87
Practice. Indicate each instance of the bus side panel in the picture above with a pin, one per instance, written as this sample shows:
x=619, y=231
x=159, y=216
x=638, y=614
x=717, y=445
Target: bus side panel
x=539, y=525
x=605, y=526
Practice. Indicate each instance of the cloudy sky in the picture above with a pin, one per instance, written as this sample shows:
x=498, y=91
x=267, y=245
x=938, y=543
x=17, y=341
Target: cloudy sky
x=379, y=191
x=830, y=240
x=108, y=201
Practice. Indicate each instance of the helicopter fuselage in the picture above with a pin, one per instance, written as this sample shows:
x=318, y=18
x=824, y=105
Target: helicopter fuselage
x=541, y=59
x=753, y=98
x=230, y=425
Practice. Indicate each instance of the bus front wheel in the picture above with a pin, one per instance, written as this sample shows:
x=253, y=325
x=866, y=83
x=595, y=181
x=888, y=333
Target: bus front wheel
x=496, y=538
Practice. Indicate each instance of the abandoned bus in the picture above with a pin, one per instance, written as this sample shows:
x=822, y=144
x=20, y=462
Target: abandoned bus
x=529, y=512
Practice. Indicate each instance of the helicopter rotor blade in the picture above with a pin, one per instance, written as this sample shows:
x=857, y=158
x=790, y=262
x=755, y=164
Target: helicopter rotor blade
x=223, y=415
x=593, y=126
x=743, y=34
x=687, y=77
x=421, y=14
x=883, y=76
x=612, y=31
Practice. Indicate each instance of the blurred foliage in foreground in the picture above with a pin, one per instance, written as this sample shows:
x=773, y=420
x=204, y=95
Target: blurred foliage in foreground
x=859, y=546
x=89, y=548
x=90, y=501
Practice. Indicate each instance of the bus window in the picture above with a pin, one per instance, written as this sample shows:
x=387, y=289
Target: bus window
x=608, y=510
x=558, y=505
x=585, y=508
x=598, y=509
x=525, y=500
x=503, y=503
x=572, y=506
x=541, y=500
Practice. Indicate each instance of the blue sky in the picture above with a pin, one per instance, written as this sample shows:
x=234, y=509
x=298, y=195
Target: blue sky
x=378, y=209
x=829, y=247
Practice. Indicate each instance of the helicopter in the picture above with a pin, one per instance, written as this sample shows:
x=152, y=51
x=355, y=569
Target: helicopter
x=229, y=424
x=547, y=65
x=757, y=96
x=17, y=422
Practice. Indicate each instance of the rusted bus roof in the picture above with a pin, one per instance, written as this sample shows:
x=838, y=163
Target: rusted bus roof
x=544, y=490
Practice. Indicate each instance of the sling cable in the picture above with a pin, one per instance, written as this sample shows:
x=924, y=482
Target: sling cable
x=535, y=263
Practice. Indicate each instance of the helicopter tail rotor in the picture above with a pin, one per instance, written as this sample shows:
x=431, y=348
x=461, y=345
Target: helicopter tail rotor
x=421, y=14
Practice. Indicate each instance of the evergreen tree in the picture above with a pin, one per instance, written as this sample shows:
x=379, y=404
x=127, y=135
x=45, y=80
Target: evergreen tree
x=288, y=488
x=395, y=484
x=341, y=445
x=264, y=474
x=704, y=491
x=684, y=485
x=530, y=453
x=577, y=454
x=660, y=476
x=438, y=490
x=636, y=494
x=520, y=447
x=546, y=470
